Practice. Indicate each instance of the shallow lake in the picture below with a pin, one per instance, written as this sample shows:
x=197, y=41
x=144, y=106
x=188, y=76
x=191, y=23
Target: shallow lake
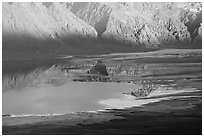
x=70, y=97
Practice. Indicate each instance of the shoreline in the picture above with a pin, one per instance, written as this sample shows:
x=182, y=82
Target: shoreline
x=126, y=102
x=132, y=120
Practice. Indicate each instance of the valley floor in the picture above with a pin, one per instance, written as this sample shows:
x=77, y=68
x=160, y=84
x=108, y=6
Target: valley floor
x=173, y=107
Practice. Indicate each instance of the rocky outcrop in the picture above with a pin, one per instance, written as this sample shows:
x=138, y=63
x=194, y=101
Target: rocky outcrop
x=95, y=14
x=146, y=24
x=99, y=69
x=191, y=16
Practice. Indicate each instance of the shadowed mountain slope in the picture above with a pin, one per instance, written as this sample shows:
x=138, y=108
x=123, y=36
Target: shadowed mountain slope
x=34, y=27
x=95, y=28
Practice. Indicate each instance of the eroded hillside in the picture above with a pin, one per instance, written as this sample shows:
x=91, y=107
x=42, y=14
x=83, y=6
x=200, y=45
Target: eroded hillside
x=28, y=26
x=81, y=27
x=147, y=24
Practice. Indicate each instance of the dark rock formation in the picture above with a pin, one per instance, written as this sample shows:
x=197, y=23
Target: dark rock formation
x=143, y=92
x=100, y=69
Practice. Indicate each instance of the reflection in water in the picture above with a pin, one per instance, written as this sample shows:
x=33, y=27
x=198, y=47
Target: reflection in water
x=71, y=97
x=25, y=66
x=50, y=90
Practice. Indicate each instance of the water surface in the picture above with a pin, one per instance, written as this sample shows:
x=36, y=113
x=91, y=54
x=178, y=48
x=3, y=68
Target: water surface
x=70, y=97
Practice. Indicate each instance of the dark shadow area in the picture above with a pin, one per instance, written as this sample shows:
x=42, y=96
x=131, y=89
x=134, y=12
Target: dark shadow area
x=97, y=20
x=100, y=26
x=193, y=25
x=78, y=44
x=25, y=66
x=18, y=49
x=72, y=45
x=47, y=4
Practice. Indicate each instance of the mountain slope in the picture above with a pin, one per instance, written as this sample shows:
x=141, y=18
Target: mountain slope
x=147, y=24
x=101, y=27
x=32, y=26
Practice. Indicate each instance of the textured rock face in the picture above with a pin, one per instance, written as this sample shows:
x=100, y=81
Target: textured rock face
x=198, y=39
x=147, y=24
x=95, y=14
x=51, y=26
x=32, y=25
x=193, y=20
